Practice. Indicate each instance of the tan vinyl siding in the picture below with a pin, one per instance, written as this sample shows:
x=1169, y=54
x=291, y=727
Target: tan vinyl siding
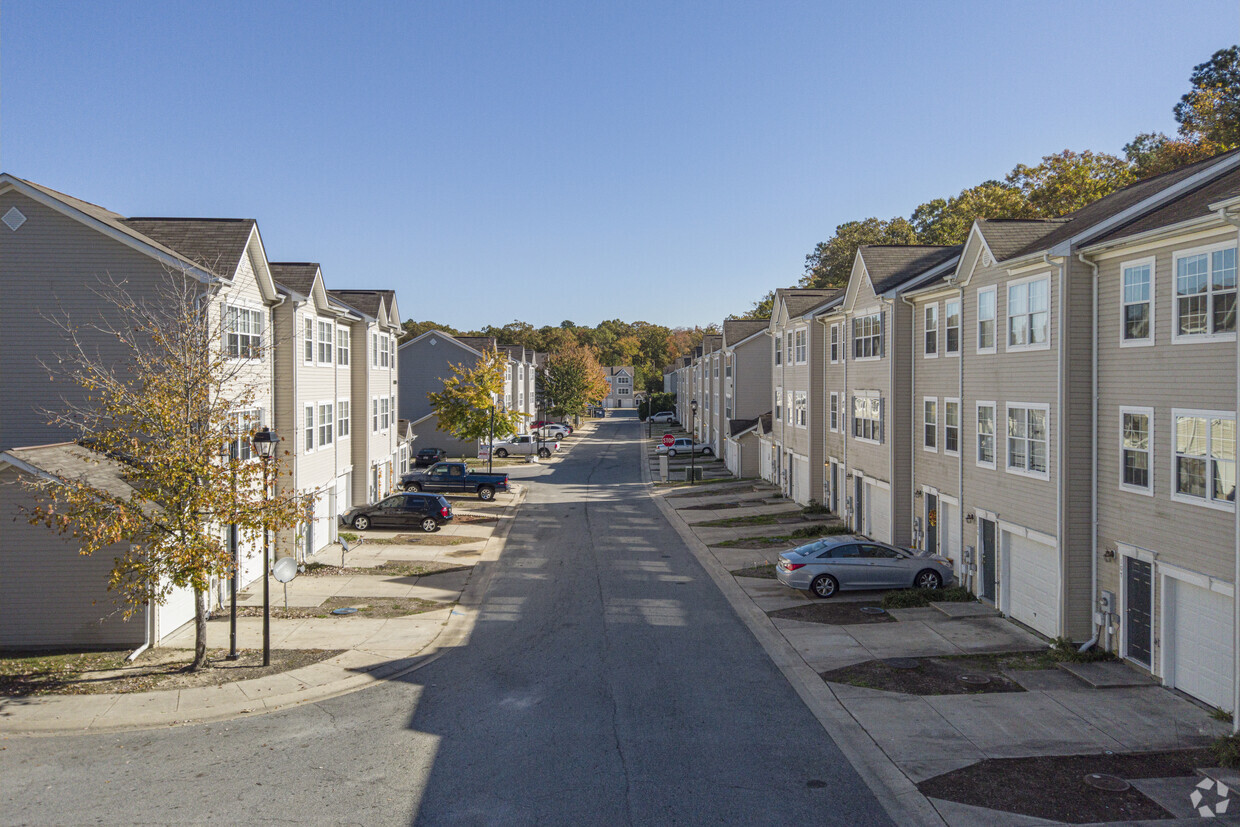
x=938, y=378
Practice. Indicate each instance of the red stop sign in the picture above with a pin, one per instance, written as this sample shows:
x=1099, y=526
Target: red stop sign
x=669, y=440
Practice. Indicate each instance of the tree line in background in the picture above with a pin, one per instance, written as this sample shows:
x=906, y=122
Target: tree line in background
x=1209, y=123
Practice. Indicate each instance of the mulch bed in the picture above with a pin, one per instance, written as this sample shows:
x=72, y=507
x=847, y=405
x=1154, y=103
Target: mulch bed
x=433, y=539
x=763, y=571
x=94, y=673
x=392, y=568
x=1053, y=787
x=473, y=519
x=932, y=676
x=833, y=613
x=759, y=542
x=372, y=607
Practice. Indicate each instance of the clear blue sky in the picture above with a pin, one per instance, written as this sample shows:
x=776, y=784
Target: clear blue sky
x=662, y=161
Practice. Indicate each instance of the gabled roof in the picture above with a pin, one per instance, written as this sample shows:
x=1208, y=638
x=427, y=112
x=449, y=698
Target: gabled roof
x=1191, y=205
x=800, y=300
x=478, y=343
x=366, y=301
x=1007, y=237
x=614, y=370
x=738, y=330
x=764, y=423
x=71, y=462
x=737, y=427
x=297, y=276
x=218, y=244
x=891, y=266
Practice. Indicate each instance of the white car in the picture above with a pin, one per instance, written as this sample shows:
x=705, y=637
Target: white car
x=663, y=417
x=523, y=445
x=552, y=431
x=684, y=445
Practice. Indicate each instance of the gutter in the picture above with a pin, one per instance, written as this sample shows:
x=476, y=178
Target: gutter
x=912, y=386
x=1235, y=584
x=1093, y=463
x=1060, y=475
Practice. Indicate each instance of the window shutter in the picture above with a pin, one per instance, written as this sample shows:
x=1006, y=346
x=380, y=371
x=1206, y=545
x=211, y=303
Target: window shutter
x=882, y=339
x=882, y=419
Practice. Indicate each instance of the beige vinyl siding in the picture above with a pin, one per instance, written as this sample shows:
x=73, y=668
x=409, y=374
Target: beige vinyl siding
x=751, y=379
x=900, y=325
x=1077, y=546
x=1164, y=377
x=938, y=378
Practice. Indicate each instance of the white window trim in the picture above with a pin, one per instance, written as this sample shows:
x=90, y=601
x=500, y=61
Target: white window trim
x=1148, y=412
x=878, y=311
x=319, y=422
x=993, y=290
x=343, y=344
x=836, y=343
x=374, y=414
x=801, y=409
x=1007, y=286
x=925, y=332
x=241, y=303
x=933, y=449
x=347, y=419
x=311, y=340
x=994, y=417
x=1209, y=501
x=801, y=346
x=951, y=354
x=1190, y=338
x=779, y=403
x=1148, y=341
x=852, y=415
x=834, y=406
x=310, y=413
x=1023, y=472
x=946, y=450
x=318, y=343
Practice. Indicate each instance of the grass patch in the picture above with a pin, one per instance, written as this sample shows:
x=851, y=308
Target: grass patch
x=764, y=571
x=1063, y=650
x=392, y=568
x=433, y=539
x=755, y=519
x=1221, y=715
x=815, y=509
x=373, y=607
x=916, y=598
x=699, y=484
x=1226, y=751
x=811, y=531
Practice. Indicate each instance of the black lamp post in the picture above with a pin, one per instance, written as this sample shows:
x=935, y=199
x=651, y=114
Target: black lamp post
x=491, y=438
x=692, y=442
x=230, y=451
x=265, y=446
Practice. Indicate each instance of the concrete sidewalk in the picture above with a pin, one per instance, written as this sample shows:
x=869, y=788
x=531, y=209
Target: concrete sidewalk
x=377, y=649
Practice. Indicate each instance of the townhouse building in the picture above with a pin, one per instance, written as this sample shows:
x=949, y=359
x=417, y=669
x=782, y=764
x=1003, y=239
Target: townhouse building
x=791, y=455
x=521, y=392
x=710, y=405
x=425, y=362
x=621, y=381
x=746, y=392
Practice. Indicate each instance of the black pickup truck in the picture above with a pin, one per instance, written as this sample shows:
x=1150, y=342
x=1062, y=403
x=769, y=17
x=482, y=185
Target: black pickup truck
x=455, y=478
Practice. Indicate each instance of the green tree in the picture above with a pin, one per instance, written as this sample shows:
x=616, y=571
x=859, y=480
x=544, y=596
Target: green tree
x=573, y=380
x=162, y=405
x=948, y=220
x=761, y=309
x=1210, y=111
x=469, y=399
x=830, y=263
x=1067, y=181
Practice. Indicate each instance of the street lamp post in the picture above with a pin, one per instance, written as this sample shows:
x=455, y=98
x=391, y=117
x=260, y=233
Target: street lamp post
x=692, y=442
x=491, y=438
x=231, y=453
x=265, y=446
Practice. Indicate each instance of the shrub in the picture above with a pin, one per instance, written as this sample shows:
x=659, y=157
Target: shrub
x=815, y=508
x=916, y=598
x=811, y=531
x=1227, y=751
x=1065, y=651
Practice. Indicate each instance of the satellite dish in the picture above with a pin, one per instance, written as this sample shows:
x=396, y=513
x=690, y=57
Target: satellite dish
x=285, y=569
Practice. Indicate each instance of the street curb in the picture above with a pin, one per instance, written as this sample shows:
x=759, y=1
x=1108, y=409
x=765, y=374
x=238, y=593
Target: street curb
x=456, y=629
x=897, y=794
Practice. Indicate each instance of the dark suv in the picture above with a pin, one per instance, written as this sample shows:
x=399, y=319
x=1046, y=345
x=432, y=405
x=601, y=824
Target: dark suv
x=429, y=456
x=425, y=511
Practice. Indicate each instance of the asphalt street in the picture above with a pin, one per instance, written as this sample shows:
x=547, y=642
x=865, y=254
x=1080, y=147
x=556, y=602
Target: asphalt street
x=606, y=682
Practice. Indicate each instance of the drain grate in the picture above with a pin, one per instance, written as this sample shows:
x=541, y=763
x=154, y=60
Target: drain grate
x=1107, y=783
x=347, y=610
x=873, y=610
x=973, y=680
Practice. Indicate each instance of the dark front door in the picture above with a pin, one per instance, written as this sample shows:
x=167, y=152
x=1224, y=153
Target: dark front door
x=989, y=561
x=932, y=523
x=1138, y=608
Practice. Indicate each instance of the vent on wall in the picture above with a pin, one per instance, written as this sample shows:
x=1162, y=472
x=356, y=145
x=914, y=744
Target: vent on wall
x=433, y=342
x=14, y=218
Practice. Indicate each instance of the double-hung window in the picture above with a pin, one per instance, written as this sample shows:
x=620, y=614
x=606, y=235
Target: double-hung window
x=309, y=427
x=930, y=421
x=342, y=417
x=385, y=350
x=868, y=336
x=327, y=420
x=986, y=320
x=986, y=434
x=868, y=417
x=307, y=340
x=779, y=349
x=727, y=366
x=1137, y=302
x=1135, y=448
x=326, y=345
x=1205, y=457
x=1027, y=439
x=801, y=348
x=1205, y=292
x=833, y=412
x=779, y=406
x=342, y=346
x=835, y=344
x=385, y=416
x=788, y=349
x=951, y=426
x=244, y=423
x=1028, y=314
x=374, y=350
x=932, y=330
x=374, y=414
x=788, y=406
x=800, y=404
x=243, y=332
x=951, y=313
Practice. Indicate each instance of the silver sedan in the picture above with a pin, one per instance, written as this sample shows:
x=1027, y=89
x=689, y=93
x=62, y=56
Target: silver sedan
x=827, y=566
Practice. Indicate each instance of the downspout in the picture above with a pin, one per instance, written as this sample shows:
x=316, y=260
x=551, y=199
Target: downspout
x=912, y=372
x=887, y=430
x=846, y=403
x=1059, y=437
x=1093, y=460
x=960, y=438
x=1235, y=584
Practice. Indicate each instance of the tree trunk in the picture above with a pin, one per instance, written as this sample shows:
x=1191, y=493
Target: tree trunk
x=200, y=630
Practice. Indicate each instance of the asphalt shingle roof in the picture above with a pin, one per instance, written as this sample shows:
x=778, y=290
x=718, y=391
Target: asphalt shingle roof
x=736, y=330
x=891, y=265
x=367, y=301
x=1192, y=204
x=736, y=426
x=482, y=344
x=297, y=276
x=214, y=243
x=801, y=300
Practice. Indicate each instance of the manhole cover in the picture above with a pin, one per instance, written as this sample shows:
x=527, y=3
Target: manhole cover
x=973, y=680
x=873, y=610
x=1109, y=783
x=347, y=610
x=902, y=663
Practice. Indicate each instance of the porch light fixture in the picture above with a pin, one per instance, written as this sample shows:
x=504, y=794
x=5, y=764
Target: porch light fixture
x=969, y=517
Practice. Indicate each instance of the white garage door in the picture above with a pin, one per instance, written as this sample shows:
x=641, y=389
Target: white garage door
x=949, y=532
x=175, y=612
x=1031, y=578
x=800, y=481
x=323, y=519
x=878, y=517
x=764, y=461
x=1199, y=658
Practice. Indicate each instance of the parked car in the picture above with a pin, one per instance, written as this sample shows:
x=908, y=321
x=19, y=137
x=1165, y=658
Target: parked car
x=684, y=445
x=425, y=511
x=524, y=445
x=427, y=457
x=844, y=562
x=455, y=478
x=540, y=423
x=663, y=417
x=552, y=430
